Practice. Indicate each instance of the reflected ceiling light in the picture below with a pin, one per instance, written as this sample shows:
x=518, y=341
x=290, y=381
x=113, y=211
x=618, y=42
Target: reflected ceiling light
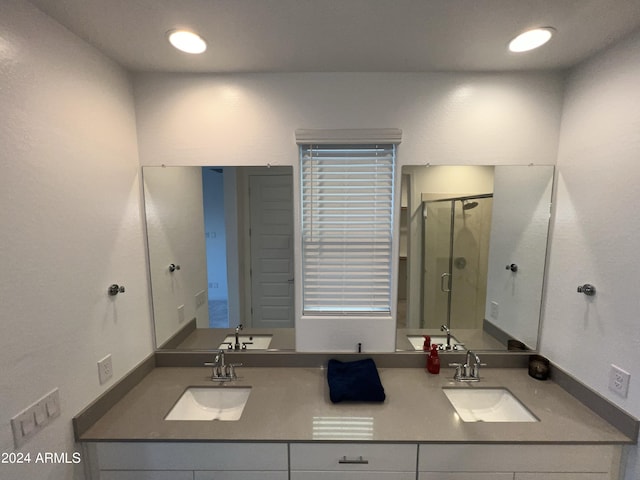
x=531, y=39
x=187, y=41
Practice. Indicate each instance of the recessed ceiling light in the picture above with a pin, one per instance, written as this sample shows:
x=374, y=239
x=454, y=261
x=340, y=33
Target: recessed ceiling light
x=531, y=39
x=187, y=41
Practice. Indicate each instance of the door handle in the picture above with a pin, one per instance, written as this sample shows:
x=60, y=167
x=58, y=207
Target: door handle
x=442, y=278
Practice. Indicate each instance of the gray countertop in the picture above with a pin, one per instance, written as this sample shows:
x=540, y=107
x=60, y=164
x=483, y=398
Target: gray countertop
x=285, y=402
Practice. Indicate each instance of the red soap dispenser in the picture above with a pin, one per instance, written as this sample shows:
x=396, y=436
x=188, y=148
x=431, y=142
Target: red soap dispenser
x=433, y=361
x=427, y=343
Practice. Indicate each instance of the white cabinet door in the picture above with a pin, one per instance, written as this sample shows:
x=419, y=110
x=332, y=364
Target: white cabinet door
x=464, y=476
x=563, y=476
x=142, y=475
x=241, y=475
x=192, y=456
x=338, y=475
x=519, y=458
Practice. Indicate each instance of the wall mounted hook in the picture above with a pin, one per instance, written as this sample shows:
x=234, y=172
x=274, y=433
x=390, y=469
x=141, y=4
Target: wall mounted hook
x=587, y=289
x=115, y=289
x=513, y=267
x=173, y=267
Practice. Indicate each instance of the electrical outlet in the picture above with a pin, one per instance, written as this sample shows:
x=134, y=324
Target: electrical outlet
x=619, y=381
x=105, y=369
x=201, y=298
x=494, y=310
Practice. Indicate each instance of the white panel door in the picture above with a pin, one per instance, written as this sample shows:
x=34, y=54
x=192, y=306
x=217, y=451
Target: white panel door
x=271, y=210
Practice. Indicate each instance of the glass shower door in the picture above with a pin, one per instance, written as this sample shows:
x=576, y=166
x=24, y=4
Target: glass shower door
x=437, y=262
x=455, y=261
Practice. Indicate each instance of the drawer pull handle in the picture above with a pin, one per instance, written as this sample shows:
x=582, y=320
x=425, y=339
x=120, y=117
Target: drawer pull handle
x=357, y=461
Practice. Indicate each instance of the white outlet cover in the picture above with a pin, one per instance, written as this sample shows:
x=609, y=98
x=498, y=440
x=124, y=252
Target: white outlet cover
x=619, y=381
x=495, y=309
x=105, y=369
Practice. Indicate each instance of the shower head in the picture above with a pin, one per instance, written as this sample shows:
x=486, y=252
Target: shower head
x=468, y=206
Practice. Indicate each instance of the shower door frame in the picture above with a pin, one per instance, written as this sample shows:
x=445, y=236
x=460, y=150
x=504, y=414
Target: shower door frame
x=449, y=274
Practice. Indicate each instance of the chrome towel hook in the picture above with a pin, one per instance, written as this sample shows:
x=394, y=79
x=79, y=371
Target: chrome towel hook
x=587, y=289
x=173, y=267
x=115, y=289
x=513, y=267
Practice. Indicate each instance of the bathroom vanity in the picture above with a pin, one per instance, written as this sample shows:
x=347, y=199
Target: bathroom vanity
x=289, y=429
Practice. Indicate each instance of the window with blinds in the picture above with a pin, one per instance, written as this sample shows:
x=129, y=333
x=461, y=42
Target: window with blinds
x=347, y=225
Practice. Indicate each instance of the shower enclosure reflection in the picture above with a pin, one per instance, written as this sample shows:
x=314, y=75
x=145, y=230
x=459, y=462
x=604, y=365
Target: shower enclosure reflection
x=460, y=226
x=456, y=236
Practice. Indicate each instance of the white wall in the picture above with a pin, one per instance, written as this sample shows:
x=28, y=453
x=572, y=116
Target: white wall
x=175, y=231
x=519, y=229
x=481, y=119
x=596, y=229
x=71, y=226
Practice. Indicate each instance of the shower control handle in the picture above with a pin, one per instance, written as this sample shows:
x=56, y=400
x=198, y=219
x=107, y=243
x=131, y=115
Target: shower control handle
x=513, y=267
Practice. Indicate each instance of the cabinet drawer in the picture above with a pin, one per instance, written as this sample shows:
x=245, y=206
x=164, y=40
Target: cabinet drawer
x=142, y=475
x=353, y=475
x=563, y=476
x=238, y=475
x=192, y=456
x=464, y=476
x=354, y=457
x=518, y=458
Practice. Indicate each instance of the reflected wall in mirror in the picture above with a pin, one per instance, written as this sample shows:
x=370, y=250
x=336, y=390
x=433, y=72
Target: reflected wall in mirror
x=472, y=255
x=220, y=243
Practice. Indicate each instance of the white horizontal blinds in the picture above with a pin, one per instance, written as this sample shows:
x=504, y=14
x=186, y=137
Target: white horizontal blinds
x=347, y=205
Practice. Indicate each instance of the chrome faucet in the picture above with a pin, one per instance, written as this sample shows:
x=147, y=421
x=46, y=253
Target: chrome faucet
x=237, y=344
x=220, y=371
x=467, y=372
x=444, y=328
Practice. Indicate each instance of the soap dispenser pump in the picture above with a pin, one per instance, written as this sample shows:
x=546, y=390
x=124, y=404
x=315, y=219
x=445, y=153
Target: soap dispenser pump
x=433, y=360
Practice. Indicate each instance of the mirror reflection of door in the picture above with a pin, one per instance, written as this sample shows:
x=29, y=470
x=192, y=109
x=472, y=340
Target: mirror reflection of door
x=436, y=256
x=248, y=214
x=271, y=237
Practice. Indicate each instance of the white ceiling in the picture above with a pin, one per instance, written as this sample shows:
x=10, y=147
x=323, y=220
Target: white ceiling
x=345, y=35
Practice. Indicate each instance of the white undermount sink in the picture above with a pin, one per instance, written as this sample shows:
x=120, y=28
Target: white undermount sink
x=210, y=403
x=487, y=405
x=252, y=342
x=417, y=341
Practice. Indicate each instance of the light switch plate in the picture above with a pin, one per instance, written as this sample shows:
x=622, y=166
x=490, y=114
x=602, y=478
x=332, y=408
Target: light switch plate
x=35, y=417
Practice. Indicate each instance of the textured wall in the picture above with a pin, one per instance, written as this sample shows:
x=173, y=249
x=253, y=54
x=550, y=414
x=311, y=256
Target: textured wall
x=175, y=232
x=596, y=228
x=480, y=119
x=71, y=225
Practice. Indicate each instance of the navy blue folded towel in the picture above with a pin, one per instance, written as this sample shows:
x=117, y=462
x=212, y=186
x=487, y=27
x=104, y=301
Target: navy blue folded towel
x=355, y=381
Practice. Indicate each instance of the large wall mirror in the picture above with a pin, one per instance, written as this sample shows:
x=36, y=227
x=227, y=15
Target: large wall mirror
x=472, y=255
x=220, y=245
x=473, y=242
